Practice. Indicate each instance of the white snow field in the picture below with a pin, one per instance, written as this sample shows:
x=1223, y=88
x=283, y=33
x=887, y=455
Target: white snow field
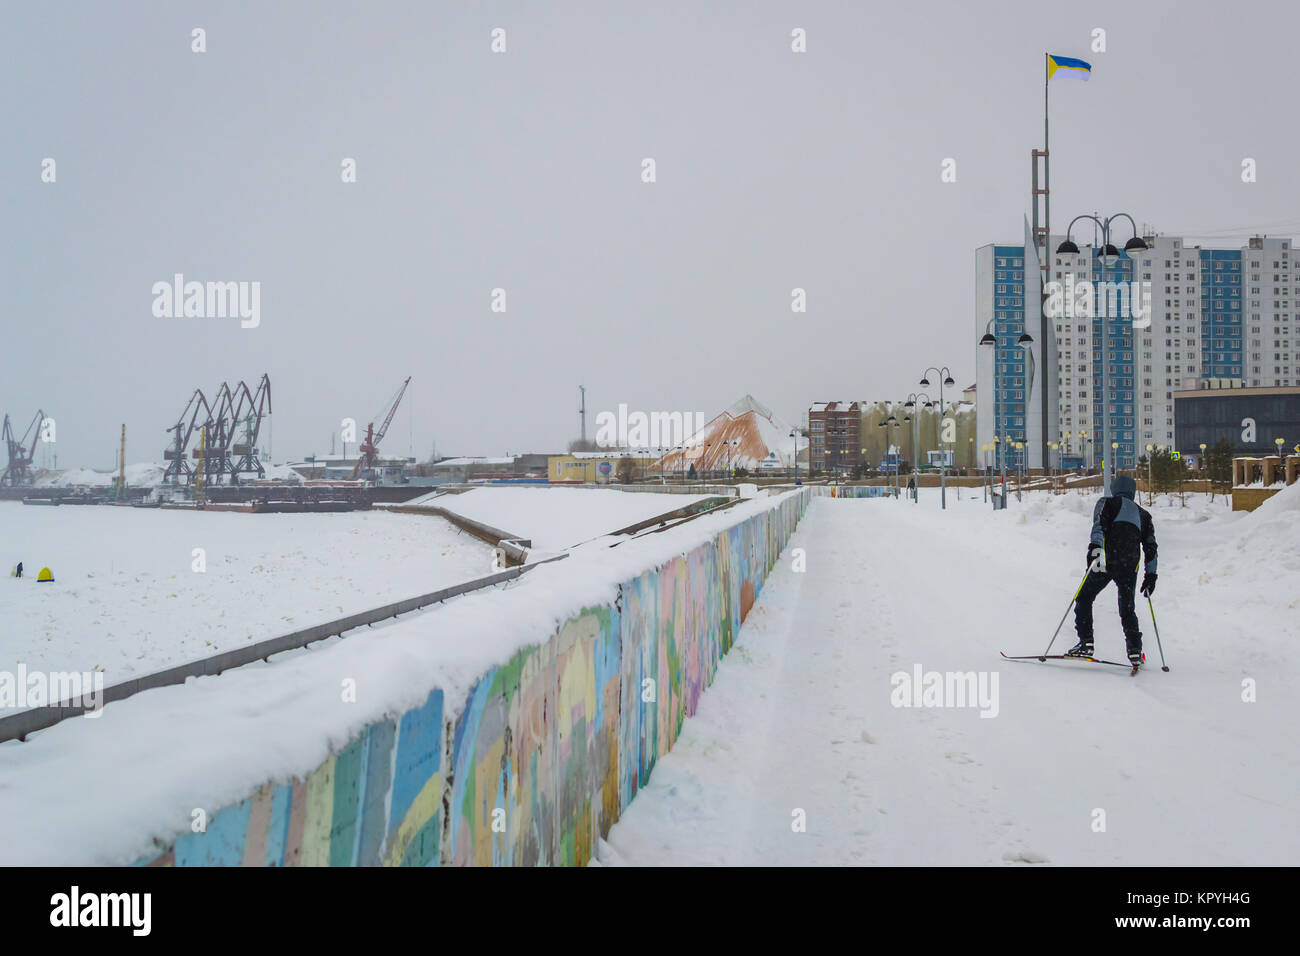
x=558, y=518
x=126, y=600
x=1082, y=764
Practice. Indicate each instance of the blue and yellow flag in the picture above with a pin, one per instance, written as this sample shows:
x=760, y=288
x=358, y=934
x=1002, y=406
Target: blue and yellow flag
x=1067, y=64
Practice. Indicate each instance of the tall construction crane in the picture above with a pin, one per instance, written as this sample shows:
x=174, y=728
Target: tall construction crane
x=220, y=433
x=196, y=414
x=250, y=409
x=19, y=470
x=369, y=458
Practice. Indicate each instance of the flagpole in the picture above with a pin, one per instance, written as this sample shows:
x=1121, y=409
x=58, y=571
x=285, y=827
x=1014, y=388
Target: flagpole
x=1045, y=263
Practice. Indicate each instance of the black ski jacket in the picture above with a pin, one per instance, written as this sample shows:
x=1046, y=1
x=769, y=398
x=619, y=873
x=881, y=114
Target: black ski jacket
x=1124, y=528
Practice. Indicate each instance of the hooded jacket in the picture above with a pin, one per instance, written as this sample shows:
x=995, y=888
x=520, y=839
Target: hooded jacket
x=1124, y=528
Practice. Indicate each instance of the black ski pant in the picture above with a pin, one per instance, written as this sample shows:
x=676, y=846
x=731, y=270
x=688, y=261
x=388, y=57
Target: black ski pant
x=1126, y=584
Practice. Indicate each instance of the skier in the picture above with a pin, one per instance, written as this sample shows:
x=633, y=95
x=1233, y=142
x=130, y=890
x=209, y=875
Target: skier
x=1120, y=530
x=19, y=569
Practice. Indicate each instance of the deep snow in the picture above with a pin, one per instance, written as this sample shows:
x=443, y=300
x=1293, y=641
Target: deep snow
x=126, y=598
x=800, y=714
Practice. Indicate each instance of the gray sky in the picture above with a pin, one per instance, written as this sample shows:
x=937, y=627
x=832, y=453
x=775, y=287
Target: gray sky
x=522, y=170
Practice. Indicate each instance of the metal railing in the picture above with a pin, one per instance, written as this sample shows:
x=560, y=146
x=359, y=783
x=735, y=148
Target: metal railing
x=18, y=726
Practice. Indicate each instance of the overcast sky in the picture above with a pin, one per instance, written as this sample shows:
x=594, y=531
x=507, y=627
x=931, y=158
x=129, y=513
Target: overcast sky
x=523, y=171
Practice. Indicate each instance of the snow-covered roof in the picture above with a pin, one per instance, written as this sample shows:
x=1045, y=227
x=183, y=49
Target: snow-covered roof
x=463, y=462
x=612, y=453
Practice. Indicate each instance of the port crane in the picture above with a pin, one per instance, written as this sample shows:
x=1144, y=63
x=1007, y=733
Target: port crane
x=369, y=457
x=19, y=470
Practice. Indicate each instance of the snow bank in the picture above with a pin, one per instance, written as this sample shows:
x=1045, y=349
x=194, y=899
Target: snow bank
x=341, y=754
x=144, y=475
x=137, y=476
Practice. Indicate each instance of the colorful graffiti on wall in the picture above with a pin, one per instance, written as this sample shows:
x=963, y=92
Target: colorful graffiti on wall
x=548, y=749
x=853, y=491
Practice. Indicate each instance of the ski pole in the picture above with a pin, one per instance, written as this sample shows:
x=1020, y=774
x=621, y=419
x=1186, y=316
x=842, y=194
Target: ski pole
x=1163, y=665
x=1091, y=568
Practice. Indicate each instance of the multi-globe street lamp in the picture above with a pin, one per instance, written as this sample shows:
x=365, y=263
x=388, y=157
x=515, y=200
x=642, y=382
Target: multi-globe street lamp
x=915, y=419
x=925, y=383
x=891, y=420
x=731, y=443
x=1108, y=257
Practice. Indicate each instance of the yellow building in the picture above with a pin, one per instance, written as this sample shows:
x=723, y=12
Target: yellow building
x=593, y=467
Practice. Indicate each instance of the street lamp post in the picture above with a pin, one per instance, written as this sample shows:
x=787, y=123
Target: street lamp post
x=925, y=383
x=1000, y=460
x=794, y=433
x=1020, y=470
x=891, y=420
x=1108, y=256
x=1150, y=486
x=915, y=419
x=984, y=470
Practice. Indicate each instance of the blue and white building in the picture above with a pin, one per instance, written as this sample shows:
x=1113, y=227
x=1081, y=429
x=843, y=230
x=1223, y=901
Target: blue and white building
x=1221, y=317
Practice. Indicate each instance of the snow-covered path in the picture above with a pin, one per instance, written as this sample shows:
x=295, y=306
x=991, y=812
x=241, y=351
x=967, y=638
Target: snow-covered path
x=1176, y=767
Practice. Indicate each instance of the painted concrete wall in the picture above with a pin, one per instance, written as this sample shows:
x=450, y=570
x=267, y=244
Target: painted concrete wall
x=853, y=491
x=542, y=758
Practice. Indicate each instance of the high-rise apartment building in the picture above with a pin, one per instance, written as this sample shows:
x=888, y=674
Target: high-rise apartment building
x=1177, y=317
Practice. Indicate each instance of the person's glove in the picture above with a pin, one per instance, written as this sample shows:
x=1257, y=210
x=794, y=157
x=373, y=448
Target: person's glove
x=1094, y=552
x=1148, y=584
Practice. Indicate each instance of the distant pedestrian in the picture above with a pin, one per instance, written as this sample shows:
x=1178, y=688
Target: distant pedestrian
x=19, y=570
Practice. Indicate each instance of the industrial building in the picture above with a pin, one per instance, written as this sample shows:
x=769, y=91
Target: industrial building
x=600, y=467
x=524, y=467
x=386, y=471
